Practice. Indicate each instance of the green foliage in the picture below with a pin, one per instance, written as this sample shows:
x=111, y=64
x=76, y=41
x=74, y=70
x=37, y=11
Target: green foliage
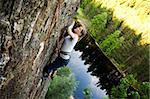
x=145, y=88
x=87, y=93
x=131, y=79
x=65, y=71
x=92, y=10
x=105, y=97
x=84, y=3
x=123, y=89
x=120, y=91
x=98, y=24
x=134, y=95
x=112, y=42
x=62, y=86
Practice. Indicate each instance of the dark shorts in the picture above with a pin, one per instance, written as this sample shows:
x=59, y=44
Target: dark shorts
x=59, y=62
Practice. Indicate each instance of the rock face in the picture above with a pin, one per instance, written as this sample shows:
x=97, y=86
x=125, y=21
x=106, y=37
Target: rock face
x=29, y=31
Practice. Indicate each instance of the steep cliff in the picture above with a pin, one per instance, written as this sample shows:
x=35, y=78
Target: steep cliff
x=29, y=31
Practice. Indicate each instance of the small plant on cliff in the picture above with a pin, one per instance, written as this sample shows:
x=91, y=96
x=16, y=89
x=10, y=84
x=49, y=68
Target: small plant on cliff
x=62, y=86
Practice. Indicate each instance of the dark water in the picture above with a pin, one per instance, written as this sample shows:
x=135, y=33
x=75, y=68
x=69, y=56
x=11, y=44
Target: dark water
x=85, y=79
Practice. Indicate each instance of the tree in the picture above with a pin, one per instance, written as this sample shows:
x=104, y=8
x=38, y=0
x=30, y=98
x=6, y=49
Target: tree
x=87, y=93
x=84, y=3
x=112, y=42
x=130, y=88
x=98, y=24
x=63, y=85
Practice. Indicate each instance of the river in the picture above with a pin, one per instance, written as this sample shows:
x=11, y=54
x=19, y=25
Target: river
x=84, y=78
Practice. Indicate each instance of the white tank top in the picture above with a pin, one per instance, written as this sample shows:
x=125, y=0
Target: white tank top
x=68, y=45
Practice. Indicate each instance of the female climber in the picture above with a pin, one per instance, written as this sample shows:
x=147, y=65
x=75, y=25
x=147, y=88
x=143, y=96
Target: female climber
x=75, y=31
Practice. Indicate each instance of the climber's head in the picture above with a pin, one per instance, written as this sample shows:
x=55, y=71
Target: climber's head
x=79, y=29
